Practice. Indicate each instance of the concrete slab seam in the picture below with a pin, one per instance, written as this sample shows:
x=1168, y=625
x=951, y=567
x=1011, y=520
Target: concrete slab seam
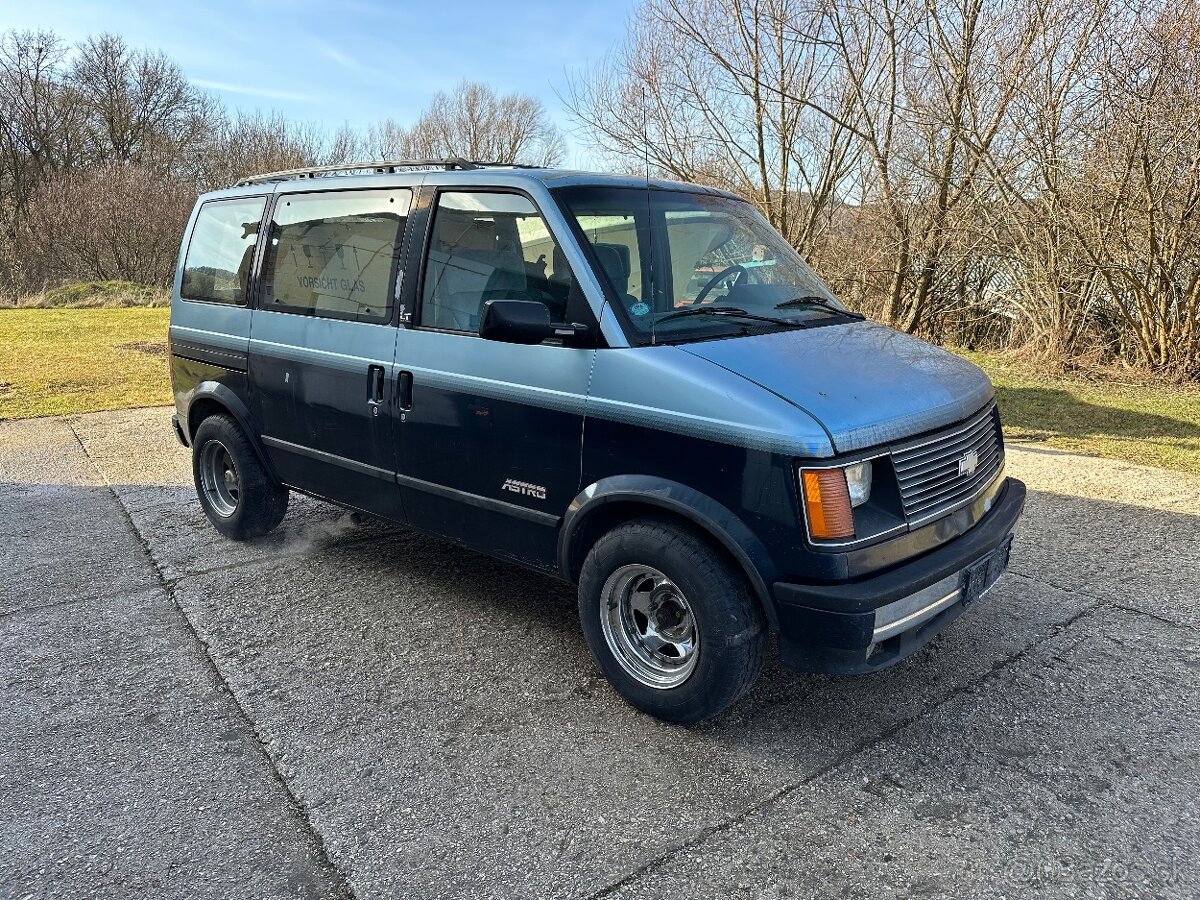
x=341, y=881
x=842, y=759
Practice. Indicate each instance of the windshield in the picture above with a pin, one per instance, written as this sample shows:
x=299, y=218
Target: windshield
x=666, y=253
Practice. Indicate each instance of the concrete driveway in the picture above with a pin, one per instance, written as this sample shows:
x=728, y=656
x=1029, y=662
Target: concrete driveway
x=358, y=711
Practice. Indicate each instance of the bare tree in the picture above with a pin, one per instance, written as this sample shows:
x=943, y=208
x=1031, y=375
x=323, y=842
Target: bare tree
x=474, y=122
x=1056, y=292
x=886, y=106
x=976, y=170
x=701, y=90
x=243, y=145
x=114, y=221
x=41, y=118
x=138, y=103
x=932, y=86
x=1138, y=202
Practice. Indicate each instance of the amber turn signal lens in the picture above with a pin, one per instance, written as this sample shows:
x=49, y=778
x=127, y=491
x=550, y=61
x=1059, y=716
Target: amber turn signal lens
x=827, y=504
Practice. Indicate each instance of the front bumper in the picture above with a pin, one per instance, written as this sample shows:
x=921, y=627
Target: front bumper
x=866, y=625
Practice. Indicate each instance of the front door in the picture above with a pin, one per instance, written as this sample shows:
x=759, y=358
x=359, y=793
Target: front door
x=322, y=345
x=489, y=434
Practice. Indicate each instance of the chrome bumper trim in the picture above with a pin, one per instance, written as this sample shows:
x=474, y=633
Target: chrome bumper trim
x=914, y=609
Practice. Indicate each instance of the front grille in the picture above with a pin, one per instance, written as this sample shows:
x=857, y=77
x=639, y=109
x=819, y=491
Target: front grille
x=929, y=473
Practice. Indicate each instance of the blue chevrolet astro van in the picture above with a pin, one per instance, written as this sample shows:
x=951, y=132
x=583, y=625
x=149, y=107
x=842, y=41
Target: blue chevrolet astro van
x=635, y=385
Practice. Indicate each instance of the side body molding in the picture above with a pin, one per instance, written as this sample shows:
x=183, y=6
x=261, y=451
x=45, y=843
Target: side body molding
x=709, y=515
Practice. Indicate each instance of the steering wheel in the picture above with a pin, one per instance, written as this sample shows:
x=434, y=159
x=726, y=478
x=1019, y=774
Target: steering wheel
x=717, y=279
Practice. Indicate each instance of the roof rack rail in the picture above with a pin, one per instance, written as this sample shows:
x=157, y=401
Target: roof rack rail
x=380, y=167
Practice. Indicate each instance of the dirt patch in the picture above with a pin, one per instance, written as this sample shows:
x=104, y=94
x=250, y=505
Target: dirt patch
x=150, y=348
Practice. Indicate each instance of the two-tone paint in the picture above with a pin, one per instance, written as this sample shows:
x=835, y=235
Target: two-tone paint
x=433, y=429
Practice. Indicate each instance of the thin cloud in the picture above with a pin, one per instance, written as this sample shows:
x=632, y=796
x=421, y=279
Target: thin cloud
x=250, y=91
x=347, y=62
x=337, y=56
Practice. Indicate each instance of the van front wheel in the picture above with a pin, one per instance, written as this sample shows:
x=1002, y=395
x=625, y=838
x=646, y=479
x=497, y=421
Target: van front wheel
x=670, y=621
x=238, y=495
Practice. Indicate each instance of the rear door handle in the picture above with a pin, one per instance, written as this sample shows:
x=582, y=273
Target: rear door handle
x=406, y=390
x=375, y=386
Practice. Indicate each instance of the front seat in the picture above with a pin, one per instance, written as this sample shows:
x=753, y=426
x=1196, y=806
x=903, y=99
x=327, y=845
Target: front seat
x=614, y=260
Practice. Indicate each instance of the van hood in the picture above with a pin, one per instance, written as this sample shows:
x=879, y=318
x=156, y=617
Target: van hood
x=866, y=384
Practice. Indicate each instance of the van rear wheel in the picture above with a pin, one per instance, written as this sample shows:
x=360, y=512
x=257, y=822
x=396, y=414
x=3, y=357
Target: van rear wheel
x=236, y=492
x=670, y=621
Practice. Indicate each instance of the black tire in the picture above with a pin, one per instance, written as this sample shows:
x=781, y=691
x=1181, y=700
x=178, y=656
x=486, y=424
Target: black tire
x=731, y=631
x=255, y=503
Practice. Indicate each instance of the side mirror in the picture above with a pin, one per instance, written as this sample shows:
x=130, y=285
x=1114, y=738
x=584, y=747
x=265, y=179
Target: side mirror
x=516, y=322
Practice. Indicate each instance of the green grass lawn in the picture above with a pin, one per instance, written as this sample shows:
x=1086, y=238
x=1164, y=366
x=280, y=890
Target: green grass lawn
x=1137, y=420
x=59, y=361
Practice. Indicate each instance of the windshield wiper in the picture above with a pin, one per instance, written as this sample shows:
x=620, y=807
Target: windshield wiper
x=817, y=300
x=731, y=311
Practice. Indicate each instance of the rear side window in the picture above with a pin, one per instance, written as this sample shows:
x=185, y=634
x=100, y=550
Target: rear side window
x=335, y=254
x=221, y=251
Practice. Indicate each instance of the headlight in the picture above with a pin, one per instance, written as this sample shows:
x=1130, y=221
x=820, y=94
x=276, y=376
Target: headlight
x=829, y=496
x=858, y=482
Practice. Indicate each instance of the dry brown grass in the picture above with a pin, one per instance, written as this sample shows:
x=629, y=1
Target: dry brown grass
x=93, y=295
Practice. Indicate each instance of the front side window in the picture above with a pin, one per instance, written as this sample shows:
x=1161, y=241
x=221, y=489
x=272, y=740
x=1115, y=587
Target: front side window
x=491, y=246
x=221, y=251
x=335, y=254
x=664, y=253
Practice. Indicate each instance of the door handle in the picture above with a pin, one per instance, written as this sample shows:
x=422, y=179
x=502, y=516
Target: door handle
x=406, y=390
x=375, y=387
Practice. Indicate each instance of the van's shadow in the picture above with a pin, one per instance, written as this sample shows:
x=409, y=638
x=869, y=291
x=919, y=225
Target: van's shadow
x=380, y=663
x=322, y=581
x=1037, y=409
x=459, y=585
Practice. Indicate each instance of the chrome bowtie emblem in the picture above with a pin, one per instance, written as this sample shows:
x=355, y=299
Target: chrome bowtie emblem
x=968, y=463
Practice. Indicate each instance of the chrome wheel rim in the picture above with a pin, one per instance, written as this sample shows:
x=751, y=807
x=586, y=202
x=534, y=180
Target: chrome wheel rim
x=219, y=479
x=649, y=626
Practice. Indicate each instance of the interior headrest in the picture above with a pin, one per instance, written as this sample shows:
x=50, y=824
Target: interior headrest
x=614, y=259
x=560, y=269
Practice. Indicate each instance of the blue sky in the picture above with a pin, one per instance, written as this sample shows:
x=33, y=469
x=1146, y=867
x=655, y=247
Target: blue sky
x=358, y=61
